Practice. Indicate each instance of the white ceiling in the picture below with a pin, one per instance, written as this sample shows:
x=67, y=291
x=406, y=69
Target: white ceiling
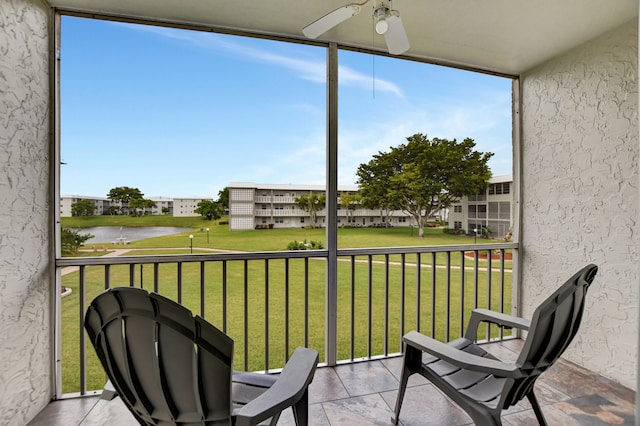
x=504, y=36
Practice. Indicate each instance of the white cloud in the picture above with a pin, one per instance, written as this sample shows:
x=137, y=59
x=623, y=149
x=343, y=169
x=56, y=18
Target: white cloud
x=308, y=69
x=351, y=77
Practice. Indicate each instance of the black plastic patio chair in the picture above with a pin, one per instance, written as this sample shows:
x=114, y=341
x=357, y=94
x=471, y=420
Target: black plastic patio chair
x=170, y=367
x=477, y=381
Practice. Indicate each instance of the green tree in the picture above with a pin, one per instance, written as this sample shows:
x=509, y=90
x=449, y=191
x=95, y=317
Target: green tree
x=351, y=203
x=223, y=198
x=138, y=206
x=71, y=240
x=209, y=210
x=375, y=194
x=312, y=204
x=123, y=195
x=112, y=210
x=424, y=176
x=83, y=208
x=165, y=210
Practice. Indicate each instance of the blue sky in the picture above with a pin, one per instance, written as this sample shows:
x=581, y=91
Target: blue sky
x=179, y=113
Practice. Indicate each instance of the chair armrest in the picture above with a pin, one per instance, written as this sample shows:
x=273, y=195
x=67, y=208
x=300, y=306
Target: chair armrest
x=288, y=389
x=498, y=318
x=460, y=358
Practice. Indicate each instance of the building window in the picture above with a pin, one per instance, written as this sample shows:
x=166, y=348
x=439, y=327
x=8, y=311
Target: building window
x=475, y=228
x=494, y=211
x=501, y=210
x=478, y=197
x=279, y=220
x=457, y=209
x=499, y=188
x=302, y=220
x=505, y=210
x=457, y=225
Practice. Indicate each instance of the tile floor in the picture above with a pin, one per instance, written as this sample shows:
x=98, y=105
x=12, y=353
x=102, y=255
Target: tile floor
x=364, y=394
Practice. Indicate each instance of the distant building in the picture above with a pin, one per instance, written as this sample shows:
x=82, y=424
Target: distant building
x=172, y=206
x=255, y=206
x=66, y=201
x=492, y=208
x=186, y=206
x=162, y=203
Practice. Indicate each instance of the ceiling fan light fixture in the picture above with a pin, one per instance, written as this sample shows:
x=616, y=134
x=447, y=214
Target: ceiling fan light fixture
x=387, y=23
x=382, y=25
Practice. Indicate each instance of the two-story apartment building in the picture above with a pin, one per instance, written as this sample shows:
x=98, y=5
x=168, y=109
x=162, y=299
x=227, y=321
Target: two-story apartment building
x=492, y=208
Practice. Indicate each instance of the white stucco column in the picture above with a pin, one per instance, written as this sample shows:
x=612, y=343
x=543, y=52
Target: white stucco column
x=25, y=352
x=579, y=149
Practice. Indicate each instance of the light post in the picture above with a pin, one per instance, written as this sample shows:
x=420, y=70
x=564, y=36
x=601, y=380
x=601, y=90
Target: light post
x=207, y=235
x=475, y=235
x=191, y=240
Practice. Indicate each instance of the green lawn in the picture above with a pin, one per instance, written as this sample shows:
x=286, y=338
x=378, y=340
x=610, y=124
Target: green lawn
x=265, y=240
x=276, y=239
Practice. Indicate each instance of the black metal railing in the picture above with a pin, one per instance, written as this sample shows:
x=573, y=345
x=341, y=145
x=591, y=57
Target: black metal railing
x=271, y=302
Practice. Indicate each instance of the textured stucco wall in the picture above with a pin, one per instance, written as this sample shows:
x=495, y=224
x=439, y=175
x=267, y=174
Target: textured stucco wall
x=24, y=206
x=580, y=192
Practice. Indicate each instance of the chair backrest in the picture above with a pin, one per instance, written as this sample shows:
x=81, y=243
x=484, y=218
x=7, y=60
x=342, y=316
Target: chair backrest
x=166, y=365
x=553, y=326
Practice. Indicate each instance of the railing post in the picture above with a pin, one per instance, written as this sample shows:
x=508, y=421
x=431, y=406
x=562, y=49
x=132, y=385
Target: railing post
x=83, y=343
x=331, y=304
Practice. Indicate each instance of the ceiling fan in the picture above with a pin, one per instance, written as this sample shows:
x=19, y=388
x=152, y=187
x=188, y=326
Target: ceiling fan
x=387, y=23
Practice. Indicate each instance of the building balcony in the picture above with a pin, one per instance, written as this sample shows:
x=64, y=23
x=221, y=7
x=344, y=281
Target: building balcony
x=272, y=302
x=288, y=212
x=365, y=393
x=275, y=199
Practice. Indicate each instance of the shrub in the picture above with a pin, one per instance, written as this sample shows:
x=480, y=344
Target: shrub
x=316, y=245
x=304, y=245
x=452, y=231
x=71, y=240
x=296, y=245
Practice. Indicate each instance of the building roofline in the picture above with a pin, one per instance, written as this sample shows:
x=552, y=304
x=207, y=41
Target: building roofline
x=290, y=187
x=501, y=179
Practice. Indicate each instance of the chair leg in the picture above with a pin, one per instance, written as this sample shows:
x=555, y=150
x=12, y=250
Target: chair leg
x=404, y=378
x=301, y=410
x=536, y=408
x=109, y=392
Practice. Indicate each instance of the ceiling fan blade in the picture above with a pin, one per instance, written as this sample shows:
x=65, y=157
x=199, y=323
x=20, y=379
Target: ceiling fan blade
x=396, y=37
x=331, y=19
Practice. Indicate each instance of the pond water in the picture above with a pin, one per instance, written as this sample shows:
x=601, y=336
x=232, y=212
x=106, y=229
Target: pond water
x=108, y=234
